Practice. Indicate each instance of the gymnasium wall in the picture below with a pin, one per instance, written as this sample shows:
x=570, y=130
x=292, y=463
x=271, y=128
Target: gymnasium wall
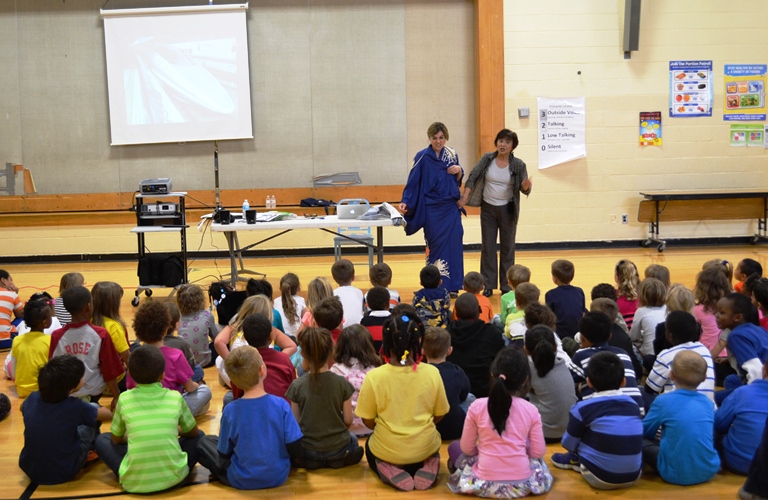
x=336, y=85
x=547, y=42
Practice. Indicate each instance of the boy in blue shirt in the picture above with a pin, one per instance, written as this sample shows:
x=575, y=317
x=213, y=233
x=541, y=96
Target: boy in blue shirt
x=59, y=430
x=741, y=418
x=566, y=301
x=686, y=454
x=259, y=434
x=604, y=437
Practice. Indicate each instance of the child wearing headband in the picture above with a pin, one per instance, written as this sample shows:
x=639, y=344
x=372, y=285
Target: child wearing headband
x=401, y=401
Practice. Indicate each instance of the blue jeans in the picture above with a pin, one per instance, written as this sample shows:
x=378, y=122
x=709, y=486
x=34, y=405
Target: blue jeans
x=318, y=459
x=197, y=373
x=465, y=404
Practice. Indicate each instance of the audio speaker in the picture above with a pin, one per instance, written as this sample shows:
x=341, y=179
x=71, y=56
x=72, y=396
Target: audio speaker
x=631, y=25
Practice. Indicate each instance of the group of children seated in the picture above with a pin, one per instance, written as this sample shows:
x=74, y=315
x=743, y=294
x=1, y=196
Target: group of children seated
x=629, y=382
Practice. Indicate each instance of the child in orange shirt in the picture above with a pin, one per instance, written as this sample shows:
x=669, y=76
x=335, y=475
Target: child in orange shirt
x=475, y=284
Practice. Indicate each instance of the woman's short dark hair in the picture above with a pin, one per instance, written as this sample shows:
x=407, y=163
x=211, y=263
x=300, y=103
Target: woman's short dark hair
x=437, y=127
x=507, y=134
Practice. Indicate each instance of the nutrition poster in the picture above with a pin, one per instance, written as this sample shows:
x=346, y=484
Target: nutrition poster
x=650, y=128
x=690, y=89
x=747, y=134
x=562, y=130
x=744, y=92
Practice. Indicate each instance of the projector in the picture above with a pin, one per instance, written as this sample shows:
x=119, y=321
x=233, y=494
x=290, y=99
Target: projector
x=155, y=186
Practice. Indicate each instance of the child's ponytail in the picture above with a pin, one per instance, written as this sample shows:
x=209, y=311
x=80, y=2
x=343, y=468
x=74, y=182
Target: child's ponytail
x=289, y=286
x=510, y=376
x=540, y=343
x=402, y=335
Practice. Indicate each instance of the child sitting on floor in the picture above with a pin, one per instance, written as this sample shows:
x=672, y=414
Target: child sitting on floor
x=744, y=269
x=322, y=404
x=258, y=433
x=686, y=454
x=433, y=302
x=30, y=351
x=343, y=272
x=329, y=314
x=150, y=323
x=501, y=451
x=605, y=432
x=197, y=326
x=565, y=300
x=516, y=274
x=59, y=430
x=437, y=345
x=683, y=333
x=144, y=449
x=174, y=316
x=10, y=307
x=354, y=356
x=379, y=303
x=381, y=275
x=526, y=294
x=650, y=312
x=401, y=401
x=474, y=284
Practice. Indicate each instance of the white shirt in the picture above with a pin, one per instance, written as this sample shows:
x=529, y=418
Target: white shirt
x=353, y=301
x=498, y=185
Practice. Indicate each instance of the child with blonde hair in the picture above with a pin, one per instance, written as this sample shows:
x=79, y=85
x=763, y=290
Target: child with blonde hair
x=354, y=356
x=659, y=272
x=627, y=281
x=318, y=289
x=652, y=311
x=322, y=404
x=106, y=313
x=290, y=304
x=722, y=265
x=231, y=337
x=197, y=325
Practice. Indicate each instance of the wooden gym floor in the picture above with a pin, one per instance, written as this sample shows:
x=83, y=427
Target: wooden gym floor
x=592, y=267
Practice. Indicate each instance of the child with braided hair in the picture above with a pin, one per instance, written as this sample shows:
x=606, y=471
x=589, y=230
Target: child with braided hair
x=404, y=447
x=502, y=448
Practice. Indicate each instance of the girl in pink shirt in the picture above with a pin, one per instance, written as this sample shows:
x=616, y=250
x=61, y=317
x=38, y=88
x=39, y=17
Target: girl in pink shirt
x=501, y=451
x=711, y=286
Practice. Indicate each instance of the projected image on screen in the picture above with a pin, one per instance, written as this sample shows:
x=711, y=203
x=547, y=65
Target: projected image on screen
x=181, y=82
x=178, y=78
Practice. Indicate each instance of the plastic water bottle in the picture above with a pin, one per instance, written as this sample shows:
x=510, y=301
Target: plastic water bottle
x=272, y=202
x=246, y=207
x=266, y=204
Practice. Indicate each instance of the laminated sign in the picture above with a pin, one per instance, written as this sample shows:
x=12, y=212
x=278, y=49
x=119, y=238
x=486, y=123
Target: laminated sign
x=562, y=130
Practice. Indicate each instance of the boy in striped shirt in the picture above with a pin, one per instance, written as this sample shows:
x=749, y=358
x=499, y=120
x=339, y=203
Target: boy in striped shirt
x=144, y=449
x=11, y=308
x=604, y=437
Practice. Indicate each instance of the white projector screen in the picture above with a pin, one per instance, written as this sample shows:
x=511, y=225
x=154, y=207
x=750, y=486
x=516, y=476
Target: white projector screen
x=175, y=77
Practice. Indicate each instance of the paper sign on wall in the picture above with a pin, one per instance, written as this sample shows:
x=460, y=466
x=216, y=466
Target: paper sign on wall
x=744, y=92
x=650, y=128
x=747, y=134
x=562, y=130
x=690, y=89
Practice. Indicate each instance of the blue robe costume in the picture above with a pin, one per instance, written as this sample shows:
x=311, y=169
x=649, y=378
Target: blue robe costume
x=431, y=194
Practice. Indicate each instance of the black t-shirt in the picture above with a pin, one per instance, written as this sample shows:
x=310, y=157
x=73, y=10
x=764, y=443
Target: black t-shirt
x=456, y=389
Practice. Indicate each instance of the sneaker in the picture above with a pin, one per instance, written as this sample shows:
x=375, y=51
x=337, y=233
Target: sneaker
x=91, y=458
x=427, y=475
x=567, y=460
x=394, y=476
x=487, y=292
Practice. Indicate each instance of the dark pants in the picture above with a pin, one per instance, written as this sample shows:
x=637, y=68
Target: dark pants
x=496, y=221
x=112, y=454
x=409, y=468
x=211, y=459
x=651, y=454
x=757, y=479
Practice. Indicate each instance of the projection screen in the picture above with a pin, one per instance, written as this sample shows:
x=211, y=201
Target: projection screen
x=178, y=74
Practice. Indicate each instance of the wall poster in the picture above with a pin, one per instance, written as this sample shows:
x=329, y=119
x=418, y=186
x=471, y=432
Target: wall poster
x=690, y=89
x=562, y=130
x=744, y=92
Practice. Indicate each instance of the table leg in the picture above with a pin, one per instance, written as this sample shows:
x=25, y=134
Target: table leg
x=231, y=235
x=379, y=245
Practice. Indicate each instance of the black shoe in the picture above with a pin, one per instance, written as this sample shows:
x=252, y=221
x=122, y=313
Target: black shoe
x=487, y=292
x=505, y=290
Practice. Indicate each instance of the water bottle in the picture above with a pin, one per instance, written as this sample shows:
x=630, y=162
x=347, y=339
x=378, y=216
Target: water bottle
x=273, y=202
x=267, y=203
x=246, y=207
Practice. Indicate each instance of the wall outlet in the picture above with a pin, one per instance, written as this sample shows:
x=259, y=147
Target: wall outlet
x=612, y=218
x=624, y=219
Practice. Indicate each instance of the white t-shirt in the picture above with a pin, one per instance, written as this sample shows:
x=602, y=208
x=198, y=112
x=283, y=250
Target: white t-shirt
x=291, y=329
x=498, y=185
x=353, y=301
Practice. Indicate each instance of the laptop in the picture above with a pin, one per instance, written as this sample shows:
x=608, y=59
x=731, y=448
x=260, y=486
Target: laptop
x=344, y=212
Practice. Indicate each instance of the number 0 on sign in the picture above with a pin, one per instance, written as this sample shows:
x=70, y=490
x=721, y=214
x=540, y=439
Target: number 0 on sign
x=562, y=130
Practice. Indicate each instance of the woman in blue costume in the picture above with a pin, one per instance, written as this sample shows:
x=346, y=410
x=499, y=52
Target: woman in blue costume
x=430, y=202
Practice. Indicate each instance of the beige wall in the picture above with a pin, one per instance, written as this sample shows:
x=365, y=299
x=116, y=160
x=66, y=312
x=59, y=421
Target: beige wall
x=547, y=42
